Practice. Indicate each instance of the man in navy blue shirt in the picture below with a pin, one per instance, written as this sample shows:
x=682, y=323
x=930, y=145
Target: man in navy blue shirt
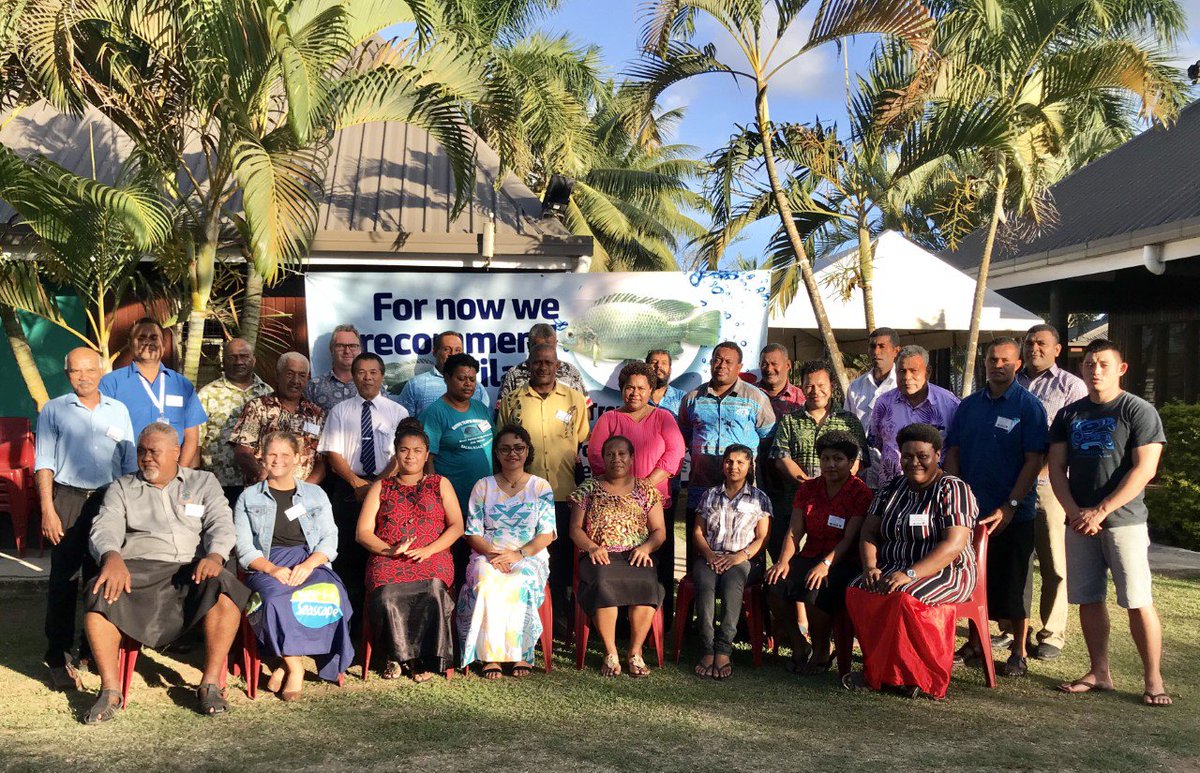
x=997, y=443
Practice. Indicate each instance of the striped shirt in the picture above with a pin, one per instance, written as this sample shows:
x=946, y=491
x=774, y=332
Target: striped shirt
x=729, y=524
x=710, y=424
x=912, y=523
x=1056, y=389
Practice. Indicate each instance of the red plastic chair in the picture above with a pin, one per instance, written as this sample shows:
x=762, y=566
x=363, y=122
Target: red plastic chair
x=583, y=625
x=127, y=654
x=753, y=605
x=367, y=640
x=974, y=610
x=18, y=491
x=546, y=616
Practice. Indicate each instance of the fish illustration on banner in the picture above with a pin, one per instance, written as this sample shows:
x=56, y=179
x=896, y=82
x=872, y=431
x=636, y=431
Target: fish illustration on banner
x=625, y=326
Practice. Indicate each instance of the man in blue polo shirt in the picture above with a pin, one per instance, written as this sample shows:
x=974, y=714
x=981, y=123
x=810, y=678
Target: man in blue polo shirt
x=84, y=442
x=153, y=392
x=427, y=388
x=997, y=443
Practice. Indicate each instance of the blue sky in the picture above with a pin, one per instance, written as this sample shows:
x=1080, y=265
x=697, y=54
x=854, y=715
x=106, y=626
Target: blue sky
x=813, y=86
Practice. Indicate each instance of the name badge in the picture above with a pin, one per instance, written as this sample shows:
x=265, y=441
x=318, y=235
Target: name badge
x=193, y=510
x=312, y=428
x=114, y=435
x=747, y=507
x=563, y=416
x=174, y=401
x=1006, y=424
x=918, y=519
x=836, y=522
x=294, y=512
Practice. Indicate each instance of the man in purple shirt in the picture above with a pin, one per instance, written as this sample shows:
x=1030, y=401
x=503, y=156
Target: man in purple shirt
x=1055, y=388
x=913, y=401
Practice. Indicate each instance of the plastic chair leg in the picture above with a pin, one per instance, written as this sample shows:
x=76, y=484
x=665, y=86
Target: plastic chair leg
x=656, y=631
x=365, y=646
x=685, y=596
x=979, y=620
x=20, y=522
x=581, y=636
x=251, y=665
x=127, y=655
x=752, y=608
x=546, y=615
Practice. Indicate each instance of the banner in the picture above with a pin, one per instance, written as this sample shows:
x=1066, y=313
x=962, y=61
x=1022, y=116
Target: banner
x=603, y=320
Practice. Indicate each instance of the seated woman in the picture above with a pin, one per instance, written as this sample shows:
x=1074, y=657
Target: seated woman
x=408, y=523
x=286, y=538
x=732, y=524
x=917, y=564
x=618, y=521
x=829, y=511
x=510, y=523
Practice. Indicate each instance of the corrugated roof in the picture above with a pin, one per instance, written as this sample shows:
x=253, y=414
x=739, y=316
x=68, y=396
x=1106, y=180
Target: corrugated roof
x=1146, y=184
x=388, y=187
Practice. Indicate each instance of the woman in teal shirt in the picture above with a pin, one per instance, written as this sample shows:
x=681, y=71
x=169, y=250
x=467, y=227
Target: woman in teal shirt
x=460, y=439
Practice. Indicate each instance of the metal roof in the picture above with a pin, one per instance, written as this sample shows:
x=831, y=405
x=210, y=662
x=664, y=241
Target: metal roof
x=1144, y=192
x=388, y=189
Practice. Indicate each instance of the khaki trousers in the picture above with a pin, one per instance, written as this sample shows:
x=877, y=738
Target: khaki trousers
x=1050, y=546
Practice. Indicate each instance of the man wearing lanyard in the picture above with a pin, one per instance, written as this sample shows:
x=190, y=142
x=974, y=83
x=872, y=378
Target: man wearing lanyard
x=155, y=393
x=84, y=442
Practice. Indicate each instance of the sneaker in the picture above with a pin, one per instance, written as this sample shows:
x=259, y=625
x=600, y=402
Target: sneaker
x=1046, y=651
x=1017, y=665
x=1002, y=640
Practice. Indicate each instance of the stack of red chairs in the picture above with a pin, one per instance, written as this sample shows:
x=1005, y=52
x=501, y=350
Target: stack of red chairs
x=18, y=491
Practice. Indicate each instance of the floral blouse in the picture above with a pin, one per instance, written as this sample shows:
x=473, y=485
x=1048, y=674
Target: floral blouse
x=616, y=522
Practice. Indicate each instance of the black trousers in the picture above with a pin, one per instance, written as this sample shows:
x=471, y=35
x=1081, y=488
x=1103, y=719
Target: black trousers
x=69, y=560
x=351, y=562
x=562, y=568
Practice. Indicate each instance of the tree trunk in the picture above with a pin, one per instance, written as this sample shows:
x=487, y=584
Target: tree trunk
x=203, y=270
x=252, y=306
x=789, y=226
x=968, y=384
x=24, y=357
x=866, y=271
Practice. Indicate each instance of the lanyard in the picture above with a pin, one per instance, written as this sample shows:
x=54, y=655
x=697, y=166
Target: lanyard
x=160, y=403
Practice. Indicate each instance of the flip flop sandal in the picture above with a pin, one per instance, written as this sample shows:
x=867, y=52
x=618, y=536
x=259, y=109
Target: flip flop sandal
x=522, y=670
x=968, y=655
x=1151, y=699
x=1090, y=687
x=393, y=670
x=611, y=667
x=815, y=668
x=493, y=673
x=212, y=702
x=422, y=677
x=106, y=708
x=721, y=673
x=638, y=668
x=704, y=671
x=854, y=682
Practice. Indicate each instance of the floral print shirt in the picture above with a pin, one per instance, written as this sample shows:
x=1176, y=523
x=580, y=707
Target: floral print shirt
x=616, y=522
x=223, y=401
x=264, y=415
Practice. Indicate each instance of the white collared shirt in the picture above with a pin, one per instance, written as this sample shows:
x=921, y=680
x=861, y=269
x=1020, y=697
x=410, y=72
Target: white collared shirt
x=863, y=392
x=343, y=435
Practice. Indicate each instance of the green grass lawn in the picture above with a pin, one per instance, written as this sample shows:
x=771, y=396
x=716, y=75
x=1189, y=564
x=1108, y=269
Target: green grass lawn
x=766, y=720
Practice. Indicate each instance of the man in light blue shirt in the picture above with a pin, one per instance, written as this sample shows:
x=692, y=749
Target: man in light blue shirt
x=154, y=393
x=84, y=442
x=425, y=388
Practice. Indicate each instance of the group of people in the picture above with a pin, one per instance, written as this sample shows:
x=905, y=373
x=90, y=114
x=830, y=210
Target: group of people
x=434, y=522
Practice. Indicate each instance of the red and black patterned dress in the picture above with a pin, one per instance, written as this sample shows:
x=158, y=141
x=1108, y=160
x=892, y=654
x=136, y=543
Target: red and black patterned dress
x=416, y=513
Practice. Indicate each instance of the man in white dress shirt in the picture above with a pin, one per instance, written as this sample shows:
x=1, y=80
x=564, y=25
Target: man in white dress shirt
x=882, y=345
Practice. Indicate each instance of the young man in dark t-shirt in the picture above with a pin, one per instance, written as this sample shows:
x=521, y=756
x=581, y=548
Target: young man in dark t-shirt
x=1104, y=449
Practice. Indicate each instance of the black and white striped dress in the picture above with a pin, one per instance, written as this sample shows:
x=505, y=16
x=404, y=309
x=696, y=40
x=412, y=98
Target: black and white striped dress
x=948, y=502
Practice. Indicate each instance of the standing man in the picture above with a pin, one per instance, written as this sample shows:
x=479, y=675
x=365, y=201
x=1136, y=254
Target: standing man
x=518, y=375
x=882, y=346
x=997, y=444
x=556, y=418
x=663, y=395
x=424, y=388
x=1055, y=388
x=1104, y=449
x=786, y=398
x=795, y=445
x=358, y=445
x=284, y=411
x=721, y=413
x=914, y=401
x=154, y=393
x=338, y=384
x=223, y=400
x=84, y=443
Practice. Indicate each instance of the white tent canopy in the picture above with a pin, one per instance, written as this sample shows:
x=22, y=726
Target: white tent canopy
x=926, y=300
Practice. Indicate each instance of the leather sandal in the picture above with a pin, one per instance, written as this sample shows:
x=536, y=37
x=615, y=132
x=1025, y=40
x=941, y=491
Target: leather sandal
x=638, y=668
x=106, y=708
x=212, y=702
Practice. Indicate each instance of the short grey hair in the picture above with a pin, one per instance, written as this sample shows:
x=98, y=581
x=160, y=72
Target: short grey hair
x=347, y=328
x=159, y=428
x=543, y=330
x=287, y=357
x=912, y=350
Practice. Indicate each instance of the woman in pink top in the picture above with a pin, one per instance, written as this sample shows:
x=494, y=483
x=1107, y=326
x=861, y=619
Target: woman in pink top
x=653, y=431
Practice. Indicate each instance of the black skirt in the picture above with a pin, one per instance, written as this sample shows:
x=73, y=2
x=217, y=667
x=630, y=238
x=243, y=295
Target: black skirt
x=829, y=598
x=164, y=602
x=411, y=622
x=619, y=584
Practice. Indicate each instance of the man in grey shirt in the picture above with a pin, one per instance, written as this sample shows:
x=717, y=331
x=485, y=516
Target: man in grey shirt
x=161, y=538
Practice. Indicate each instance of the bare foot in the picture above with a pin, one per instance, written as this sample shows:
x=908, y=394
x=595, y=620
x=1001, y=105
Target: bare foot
x=276, y=681
x=1156, y=693
x=295, y=681
x=1089, y=682
x=704, y=667
x=422, y=677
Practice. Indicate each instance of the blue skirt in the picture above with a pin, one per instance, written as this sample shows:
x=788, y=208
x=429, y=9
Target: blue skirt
x=312, y=619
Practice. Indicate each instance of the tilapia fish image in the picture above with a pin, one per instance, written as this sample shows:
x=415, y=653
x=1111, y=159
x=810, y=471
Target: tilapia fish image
x=625, y=326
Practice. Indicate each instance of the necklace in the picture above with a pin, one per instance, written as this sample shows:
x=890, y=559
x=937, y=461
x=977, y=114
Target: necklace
x=512, y=484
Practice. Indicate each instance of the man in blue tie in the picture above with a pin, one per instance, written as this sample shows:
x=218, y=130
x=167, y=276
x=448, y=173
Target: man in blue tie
x=357, y=443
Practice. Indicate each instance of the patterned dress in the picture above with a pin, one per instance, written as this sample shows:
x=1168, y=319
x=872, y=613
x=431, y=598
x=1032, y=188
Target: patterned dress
x=416, y=513
x=498, y=612
x=619, y=523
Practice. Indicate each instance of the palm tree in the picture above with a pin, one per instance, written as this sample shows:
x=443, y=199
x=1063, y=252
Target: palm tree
x=234, y=103
x=1023, y=73
x=758, y=28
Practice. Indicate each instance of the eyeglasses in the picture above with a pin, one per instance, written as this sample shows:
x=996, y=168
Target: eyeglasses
x=506, y=450
x=347, y=346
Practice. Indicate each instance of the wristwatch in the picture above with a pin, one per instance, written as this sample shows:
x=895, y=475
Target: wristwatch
x=827, y=562
x=1014, y=503
x=912, y=575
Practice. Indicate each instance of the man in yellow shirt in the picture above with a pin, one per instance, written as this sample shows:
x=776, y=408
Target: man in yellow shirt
x=556, y=418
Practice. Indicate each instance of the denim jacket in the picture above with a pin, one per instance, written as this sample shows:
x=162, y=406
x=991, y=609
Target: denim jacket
x=254, y=520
